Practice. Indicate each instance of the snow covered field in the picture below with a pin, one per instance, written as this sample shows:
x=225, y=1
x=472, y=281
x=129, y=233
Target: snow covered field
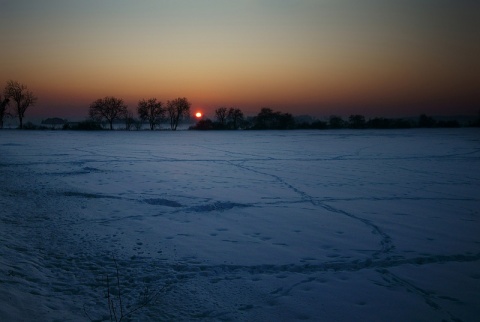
x=242, y=226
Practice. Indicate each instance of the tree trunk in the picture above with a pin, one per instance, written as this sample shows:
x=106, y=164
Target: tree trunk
x=176, y=121
x=21, y=122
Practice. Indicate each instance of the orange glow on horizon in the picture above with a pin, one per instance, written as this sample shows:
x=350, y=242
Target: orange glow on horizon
x=317, y=57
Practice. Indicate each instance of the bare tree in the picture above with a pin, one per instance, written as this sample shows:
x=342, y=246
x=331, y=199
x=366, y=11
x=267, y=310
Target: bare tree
x=235, y=117
x=3, y=109
x=22, y=97
x=221, y=115
x=109, y=108
x=152, y=111
x=176, y=110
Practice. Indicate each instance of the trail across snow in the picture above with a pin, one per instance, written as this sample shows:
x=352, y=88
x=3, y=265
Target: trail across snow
x=242, y=226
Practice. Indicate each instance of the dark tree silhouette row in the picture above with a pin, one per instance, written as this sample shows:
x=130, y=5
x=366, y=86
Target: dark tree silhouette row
x=226, y=119
x=267, y=119
x=111, y=109
x=152, y=111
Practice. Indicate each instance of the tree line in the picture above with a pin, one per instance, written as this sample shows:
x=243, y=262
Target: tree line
x=110, y=109
x=149, y=110
x=267, y=119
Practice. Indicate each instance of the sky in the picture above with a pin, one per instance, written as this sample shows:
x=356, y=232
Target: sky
x=318, y=57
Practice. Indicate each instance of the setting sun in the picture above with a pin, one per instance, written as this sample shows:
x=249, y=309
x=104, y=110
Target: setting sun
x=198, y=114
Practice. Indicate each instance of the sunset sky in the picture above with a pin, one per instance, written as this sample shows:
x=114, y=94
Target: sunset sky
x=317, y=57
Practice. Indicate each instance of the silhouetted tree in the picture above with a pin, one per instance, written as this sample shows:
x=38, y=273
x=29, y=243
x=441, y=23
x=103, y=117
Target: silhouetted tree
x=177, y=109
x=336, y=122
x=264, y=119
x=205, y=125
x=152, y=111
x=22, y=98
x=356, y=121
x=235, y=117
x=426, y=121
x=284, y=121
x=109, y=108
x=268, y=119
x=3, y=109
x=221, y=115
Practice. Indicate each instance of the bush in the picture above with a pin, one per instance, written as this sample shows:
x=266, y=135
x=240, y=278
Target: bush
x=87, y=125
x=31, y=126
x=203, y=125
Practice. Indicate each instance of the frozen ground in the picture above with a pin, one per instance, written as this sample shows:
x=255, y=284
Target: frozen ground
x=253, y=226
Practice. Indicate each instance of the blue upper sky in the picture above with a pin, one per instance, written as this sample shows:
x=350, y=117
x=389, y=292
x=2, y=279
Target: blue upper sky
x=388, y=58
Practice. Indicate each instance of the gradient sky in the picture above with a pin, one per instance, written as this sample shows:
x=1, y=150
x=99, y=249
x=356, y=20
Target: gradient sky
x=376, y=58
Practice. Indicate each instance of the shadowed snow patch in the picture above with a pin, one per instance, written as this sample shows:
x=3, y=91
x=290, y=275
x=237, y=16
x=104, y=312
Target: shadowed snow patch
x=162, y=202
x=90, y=169
x=218, y=206
x=85, y=170
x=87, y=195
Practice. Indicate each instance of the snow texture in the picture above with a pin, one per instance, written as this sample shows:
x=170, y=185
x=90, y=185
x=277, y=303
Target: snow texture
x=241, y=226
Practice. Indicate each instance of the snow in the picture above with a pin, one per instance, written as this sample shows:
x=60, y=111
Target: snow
x=244, y=226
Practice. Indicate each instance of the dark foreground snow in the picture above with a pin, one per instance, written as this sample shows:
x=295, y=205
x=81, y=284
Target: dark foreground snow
x=254, y=226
